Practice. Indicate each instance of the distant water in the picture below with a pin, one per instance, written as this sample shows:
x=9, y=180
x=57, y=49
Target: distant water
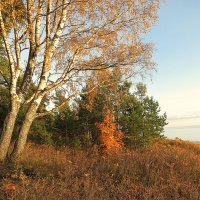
x=184, y=128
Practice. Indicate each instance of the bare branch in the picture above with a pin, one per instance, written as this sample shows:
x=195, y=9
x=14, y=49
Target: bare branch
x=6, y=81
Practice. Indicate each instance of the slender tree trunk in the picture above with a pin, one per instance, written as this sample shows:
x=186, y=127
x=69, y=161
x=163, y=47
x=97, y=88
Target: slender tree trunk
x=23, y=133
x=8, y=128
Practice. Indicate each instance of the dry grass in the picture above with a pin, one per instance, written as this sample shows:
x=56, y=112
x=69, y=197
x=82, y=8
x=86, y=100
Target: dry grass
x=166, y=170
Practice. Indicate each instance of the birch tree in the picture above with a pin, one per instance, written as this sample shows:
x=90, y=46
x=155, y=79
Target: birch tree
x=58, y=43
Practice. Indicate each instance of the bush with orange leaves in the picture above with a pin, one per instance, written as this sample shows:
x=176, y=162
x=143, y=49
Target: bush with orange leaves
x=111, y=137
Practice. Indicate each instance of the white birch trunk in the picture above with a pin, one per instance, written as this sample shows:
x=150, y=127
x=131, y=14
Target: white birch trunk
x=23, y=133
x=8, y=129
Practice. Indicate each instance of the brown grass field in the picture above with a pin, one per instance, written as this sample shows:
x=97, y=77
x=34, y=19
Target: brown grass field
x=168, y=169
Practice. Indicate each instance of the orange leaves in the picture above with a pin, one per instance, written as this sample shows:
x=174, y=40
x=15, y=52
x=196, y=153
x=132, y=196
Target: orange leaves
x=98, y=80
x=110, y=29
x=142, y=1
x=9, y=190
x=111, y=138
x=9, y=187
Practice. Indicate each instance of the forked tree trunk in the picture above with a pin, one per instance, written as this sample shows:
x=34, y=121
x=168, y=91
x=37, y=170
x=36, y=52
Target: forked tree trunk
x=8, y=128
x=23, y=133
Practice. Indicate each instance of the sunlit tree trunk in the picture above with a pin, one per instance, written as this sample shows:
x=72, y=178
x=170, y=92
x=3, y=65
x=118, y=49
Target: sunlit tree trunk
x=15, y=100
x=23, y=133
x=8, y=129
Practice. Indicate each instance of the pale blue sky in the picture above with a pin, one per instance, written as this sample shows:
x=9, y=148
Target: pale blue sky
x=176, y=85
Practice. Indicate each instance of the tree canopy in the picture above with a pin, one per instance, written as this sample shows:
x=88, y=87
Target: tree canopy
x=57, y=44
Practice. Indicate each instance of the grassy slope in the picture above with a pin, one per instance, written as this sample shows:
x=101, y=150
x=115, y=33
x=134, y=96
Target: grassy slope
x=165, y=170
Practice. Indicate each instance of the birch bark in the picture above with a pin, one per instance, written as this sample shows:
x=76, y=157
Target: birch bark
x=8, y=129
x=22, y=138
x=32, y=110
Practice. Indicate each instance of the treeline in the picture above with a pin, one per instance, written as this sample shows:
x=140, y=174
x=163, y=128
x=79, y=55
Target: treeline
x=75, y=123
